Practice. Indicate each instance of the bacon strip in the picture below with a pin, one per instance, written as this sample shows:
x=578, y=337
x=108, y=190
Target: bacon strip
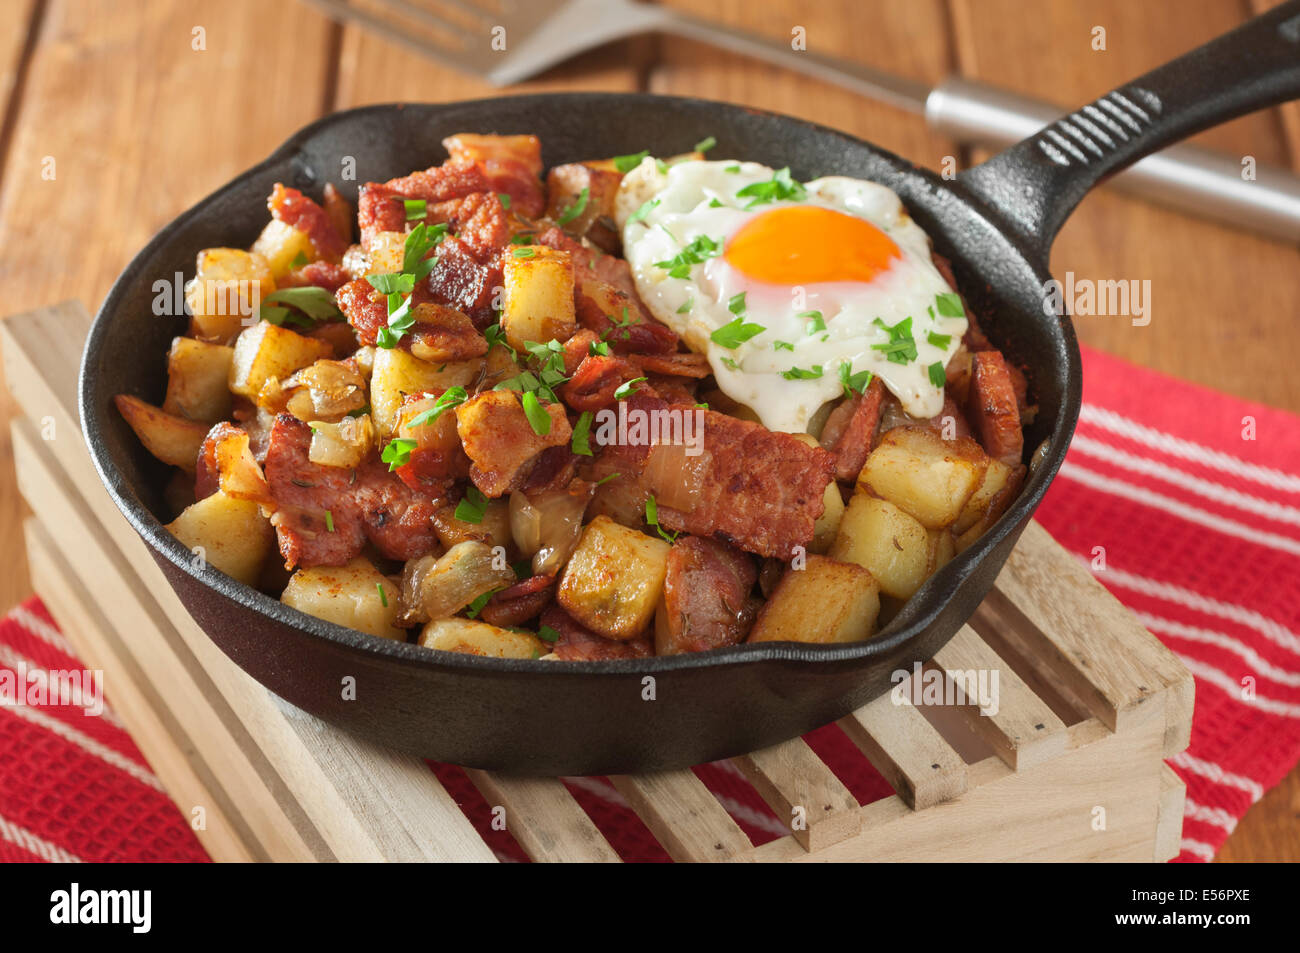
x=707, y=597
x=577, y=643
x=365, y=503
x=993, y=408
x=850, y=430
x=293, y=208
x=758, y=489
x=381, y=206
x=517, y=604
x=512, y=164
x=500, y=441
x=461, y=281
x=439, y=334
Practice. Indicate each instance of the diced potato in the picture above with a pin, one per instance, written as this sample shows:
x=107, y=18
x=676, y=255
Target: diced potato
x=942, y=548
x=197, y=375
x=990, y=499
x=925, y=475
x=826, y=601
x=265, y=351
x=281, y=245
x=357, y=595
x=479, y=638
x=613, y=579
x=387, y=253
x=345, y=444
x=538, y=297
x=173, y=440
x=880, y=537
x=229, y=534
x=226, y=292
x=396, y=373
x=462, y=574
x=829, y=522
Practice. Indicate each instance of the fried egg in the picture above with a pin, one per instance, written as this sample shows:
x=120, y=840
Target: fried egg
x=793, y=291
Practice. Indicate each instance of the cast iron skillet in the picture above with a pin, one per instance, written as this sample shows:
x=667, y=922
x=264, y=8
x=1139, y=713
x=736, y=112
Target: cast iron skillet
x=996, y=222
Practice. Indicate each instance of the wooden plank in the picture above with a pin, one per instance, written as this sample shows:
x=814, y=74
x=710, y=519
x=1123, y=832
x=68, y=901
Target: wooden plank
x=1023, y=729
x=544, y=818
x=790, y=777
x=1169, y=815
x=684, y=815
x=170, y=752
x=337, y=780
x=1093, y=643
x=914, y=758
x=1046, y=813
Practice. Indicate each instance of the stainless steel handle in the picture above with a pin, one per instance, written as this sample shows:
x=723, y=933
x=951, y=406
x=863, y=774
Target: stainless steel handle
x=1199, y=181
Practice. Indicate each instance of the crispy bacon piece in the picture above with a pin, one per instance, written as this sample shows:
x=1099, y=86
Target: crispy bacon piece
x=365, y=503
x=554, y=469
x=850, y=430
x=993, y=408
x=380, y=207
x=439, y=334
x=207, y=477
x=758, y=489
x=674, y=365
x=501, y=443
x=317, y=274
x=481, y=223
x=339, y=210
x=577, y=643
x=512, y=164
x=461, y=281
x=517, y=604
x=707, y=597
x=597, y=378
x=293, y=208
x=577, y=348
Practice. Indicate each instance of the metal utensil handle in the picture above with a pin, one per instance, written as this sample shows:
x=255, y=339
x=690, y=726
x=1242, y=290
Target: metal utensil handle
x=1035, y=184
x=1218, y=186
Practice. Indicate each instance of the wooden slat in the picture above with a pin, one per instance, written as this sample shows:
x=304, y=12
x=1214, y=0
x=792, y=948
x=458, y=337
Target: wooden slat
x=170, y=752
x=544, y=818
x=1023, y=730
x=791, y=777
x=914, y=758
x=1094, y=643
x=337, y=780
x=685, y=817
x=1169, y=815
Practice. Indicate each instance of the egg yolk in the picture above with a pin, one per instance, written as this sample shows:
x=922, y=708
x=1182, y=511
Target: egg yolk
x=802, y=244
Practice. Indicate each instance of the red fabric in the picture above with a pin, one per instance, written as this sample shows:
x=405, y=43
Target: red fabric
x=1200, y=534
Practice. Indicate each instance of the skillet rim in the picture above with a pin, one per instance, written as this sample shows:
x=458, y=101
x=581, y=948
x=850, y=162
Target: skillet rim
x=920, y=611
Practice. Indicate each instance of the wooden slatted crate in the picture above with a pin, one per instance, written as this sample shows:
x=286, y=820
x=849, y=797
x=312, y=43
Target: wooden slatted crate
x=1070, y=766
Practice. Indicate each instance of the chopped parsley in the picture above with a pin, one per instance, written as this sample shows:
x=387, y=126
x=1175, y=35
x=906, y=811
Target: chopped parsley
x=598, y=348
x=415, y=266
x=652, y=518
x=383, y=596
x=504, y=200
x=645, y=209
x=522, y=238
x=817, y=322
x=735, y=333
x=937, y=375
x=695, y=253
x=577, y=208
x=416, y=209
x=782, y=346
x=627, y=163
x=398, y=453
x=317, y=303
x=605, y=479
x=779, y=187
x=524, y=251
x=451, y=397
x=901, y=348
x=547, y=634
x=729, y=363
x=950, y=305
x=537, y=416
x=854, y=382
x=581, y=433
x=329, y=521
x=627, y=389
x=474, y=608
x=714, y=203
x=803, y=374
x=495, y=334
x=705, y=144
x=941, y=341
x=737, y=303
x=299, y=260
x=686, y=305
x=472, y=506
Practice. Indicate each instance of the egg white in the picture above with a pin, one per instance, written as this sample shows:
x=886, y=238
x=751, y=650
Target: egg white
x=693, y=199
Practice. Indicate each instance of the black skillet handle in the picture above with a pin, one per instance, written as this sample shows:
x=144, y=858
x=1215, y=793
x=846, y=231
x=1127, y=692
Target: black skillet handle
x=1035, y=185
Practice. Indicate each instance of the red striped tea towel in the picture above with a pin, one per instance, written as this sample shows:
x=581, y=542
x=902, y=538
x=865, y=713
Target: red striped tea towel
x=1185, y=503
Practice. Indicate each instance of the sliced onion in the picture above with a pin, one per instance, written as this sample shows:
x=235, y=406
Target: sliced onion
x=344, y=444
x=547, y=525
x=335, y=388
x=674, y=476
x=465, y=572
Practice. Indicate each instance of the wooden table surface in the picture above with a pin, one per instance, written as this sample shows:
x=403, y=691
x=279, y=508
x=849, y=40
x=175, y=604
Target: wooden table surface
x=114, y=123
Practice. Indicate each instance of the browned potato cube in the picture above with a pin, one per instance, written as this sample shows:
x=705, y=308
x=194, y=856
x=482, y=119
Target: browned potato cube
x=356, y=595
x=538, y=296
x=396, y=373
x=197, y=375
x=225, y=293
x=229, y=534
x=826, y=601
x=613, y=580
x=880, y=537
x=928, y=477
x=281, y=245
x=267, y=351
x=479, y=638
x=173, y=440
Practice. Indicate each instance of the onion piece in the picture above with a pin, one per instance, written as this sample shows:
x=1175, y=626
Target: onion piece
x=675, y=476
x=465, y=572
x=345, y=444
x=547, y=525
x=332, y=389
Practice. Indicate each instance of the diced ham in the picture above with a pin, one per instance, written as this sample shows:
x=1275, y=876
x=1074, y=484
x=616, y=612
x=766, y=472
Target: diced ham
x=851, y=428
x=762, y=491
x=593, y=384
x=482, y=224
x=512, y=164
x=517, y=604
x=366, y=503
x=993, y=408
x=577, y=643
x=707, y=597
x=293, y=208
x=500, y=441
x=316, y=274
x=381, y=207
